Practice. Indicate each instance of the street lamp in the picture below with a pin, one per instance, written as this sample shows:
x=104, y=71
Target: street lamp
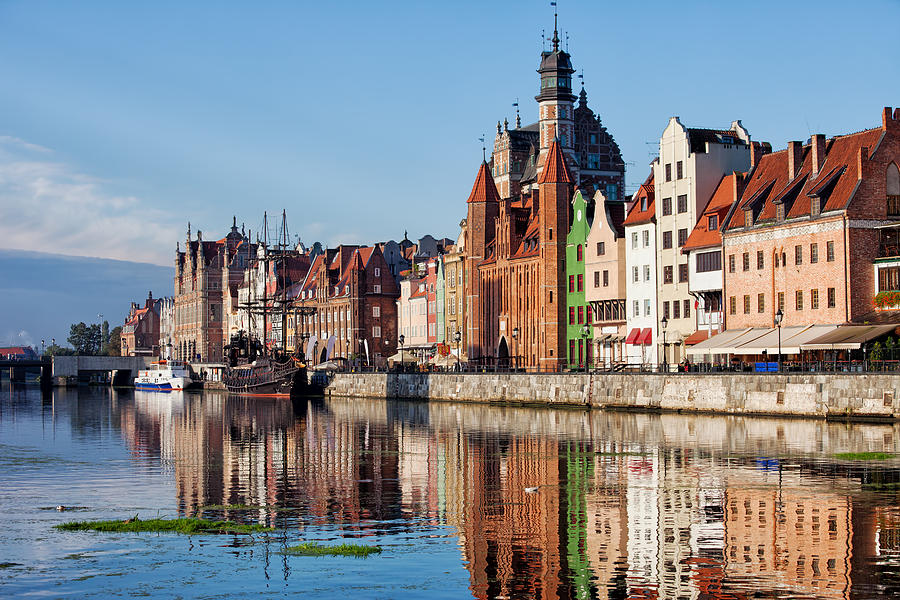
x=663, y=323
x=586, y=334
x=42, y=347
x=515, y=336
x=400, y=341
x=778, y=317
x=457, y=337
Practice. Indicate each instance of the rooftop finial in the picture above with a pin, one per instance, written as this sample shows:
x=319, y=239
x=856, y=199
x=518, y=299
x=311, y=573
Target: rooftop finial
x=189, y=230
x=518, y=118
x=555, y=32
x=234, y=221
x=483, y=152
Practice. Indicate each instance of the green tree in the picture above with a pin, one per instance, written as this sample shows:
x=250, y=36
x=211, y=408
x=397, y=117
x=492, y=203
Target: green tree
x=56, y=350
x=114, y=347
x=104, y=338
x=85, y=339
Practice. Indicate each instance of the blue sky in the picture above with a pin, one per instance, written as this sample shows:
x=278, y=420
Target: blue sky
x=121, y=121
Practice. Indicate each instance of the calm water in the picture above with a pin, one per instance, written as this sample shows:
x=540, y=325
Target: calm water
x=626, y=505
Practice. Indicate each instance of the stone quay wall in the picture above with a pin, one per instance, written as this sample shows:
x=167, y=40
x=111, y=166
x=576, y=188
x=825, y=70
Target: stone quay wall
x=820, y=395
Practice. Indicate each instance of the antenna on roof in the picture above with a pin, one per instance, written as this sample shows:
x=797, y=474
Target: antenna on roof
x=483, y=155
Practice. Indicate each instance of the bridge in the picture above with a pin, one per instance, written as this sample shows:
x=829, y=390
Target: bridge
x=67, y=370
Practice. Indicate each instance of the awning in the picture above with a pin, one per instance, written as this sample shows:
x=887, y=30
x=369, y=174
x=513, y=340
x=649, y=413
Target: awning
x=646, y=337
x=696, y=337
x=849, y=337
x=725, y=342
x=792, y=338
x=633, y=335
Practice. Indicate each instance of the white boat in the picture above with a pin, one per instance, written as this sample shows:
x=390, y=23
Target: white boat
x=164, y=376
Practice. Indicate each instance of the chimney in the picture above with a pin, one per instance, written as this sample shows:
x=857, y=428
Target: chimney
x=757, y=151
x=886, y=117
x=738, y=184
x=795, y=158
x=817, y=144
x=862, y=156
x=897, y=114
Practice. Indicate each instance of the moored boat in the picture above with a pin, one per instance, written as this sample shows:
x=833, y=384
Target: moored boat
x=164, y=376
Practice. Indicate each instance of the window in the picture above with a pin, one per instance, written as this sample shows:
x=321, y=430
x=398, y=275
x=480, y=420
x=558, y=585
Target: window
x=781, y=301
x=376, y=311
x=713, y=222
x=646, y=272
x=667, y=207
x=668, y=171
x=682, y=204
x=832, y=300
x=760, y=259
x=760, y=303
x=776, y=260
x=798, y=255
x=814, y=299
x=798, y=300
x=679, y=170
x=829, y=251
x=666, y=309
x=376, y=332
x=580, y=315
x=601, y=247
x=580, y=282
x=676, y=309
x=709, y=261
x=682, y=237
x=746, y=304
x=376, y=288
x=682, y=273
x=646, y=308
x=667, y=240
x=731, y=263
x=596, y=278
x=605, y=278
x=888, y=279
x=687, y=309
x=579, y=252
x=813, y=253
x=667, y=274
x=732, y=305
x=892, y=189
x=634, y=274
x=571, y=283
x=646, y=233
x=377, y=272
x=745, y=261
x=571, y=315
x=636, y=309
x=644, y=204
x=634, y=239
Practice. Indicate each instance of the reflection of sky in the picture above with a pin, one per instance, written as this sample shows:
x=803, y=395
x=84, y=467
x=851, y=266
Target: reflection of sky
x=626, y=504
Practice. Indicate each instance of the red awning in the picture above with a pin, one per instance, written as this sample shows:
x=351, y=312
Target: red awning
x=696, y=337
x=633, y=336
x=646, y=337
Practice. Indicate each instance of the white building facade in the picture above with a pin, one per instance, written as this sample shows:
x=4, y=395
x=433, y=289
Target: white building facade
x=640, y=279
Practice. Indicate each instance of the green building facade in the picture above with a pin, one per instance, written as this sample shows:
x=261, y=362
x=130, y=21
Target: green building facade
x=577, y=310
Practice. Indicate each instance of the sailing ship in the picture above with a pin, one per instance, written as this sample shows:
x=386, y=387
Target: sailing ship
x=260, y=367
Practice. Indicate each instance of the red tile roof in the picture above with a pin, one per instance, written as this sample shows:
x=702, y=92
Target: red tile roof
x=769, y=181
x=484, y=190
x=555, y=169
x=720, y=203
x=636, y=216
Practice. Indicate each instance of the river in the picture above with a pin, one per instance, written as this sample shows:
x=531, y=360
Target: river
x=465, y=500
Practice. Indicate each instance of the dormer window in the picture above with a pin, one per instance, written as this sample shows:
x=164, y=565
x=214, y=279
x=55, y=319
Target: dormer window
x=779, y=213
x=748, y=217
x=815, y=206
x=713, y=222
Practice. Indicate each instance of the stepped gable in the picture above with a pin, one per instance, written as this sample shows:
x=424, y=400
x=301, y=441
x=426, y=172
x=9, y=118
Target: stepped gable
x=484, y=189
x=555, y=168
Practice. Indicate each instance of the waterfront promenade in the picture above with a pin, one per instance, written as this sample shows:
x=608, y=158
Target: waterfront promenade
x=853, y=396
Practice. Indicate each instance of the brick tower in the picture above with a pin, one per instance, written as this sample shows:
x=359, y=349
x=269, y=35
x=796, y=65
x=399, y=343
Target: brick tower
x=483, y=207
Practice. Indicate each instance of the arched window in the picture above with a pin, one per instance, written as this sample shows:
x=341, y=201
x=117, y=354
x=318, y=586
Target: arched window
x=892, y=188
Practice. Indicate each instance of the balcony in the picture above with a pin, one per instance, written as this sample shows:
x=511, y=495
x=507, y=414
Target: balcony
x=889, y=244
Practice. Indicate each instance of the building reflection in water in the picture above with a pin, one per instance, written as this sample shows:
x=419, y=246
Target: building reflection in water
x=625, y=506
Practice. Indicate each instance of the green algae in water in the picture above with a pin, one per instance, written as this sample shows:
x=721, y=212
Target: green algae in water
x=863, y=456
x=317, y=549
x=186, y=526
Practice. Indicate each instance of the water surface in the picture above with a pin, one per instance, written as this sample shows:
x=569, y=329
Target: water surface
x=467, y=501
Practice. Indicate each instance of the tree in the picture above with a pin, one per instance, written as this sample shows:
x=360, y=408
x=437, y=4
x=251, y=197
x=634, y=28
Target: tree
x=85, y=339
x=55, y=350
x=104, y=338
x=114, y=347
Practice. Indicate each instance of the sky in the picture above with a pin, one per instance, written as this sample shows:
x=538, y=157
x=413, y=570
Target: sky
x=122, y=121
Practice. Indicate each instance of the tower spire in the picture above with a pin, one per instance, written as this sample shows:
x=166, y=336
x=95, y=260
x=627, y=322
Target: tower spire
x=555, y=32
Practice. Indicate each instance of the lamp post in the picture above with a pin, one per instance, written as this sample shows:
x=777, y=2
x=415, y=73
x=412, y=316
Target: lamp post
x=585, y=334
x=778, y=317
x=42, y=347
x=457, y=337
x=400, y=341
x=663, y=323
x=515, y=336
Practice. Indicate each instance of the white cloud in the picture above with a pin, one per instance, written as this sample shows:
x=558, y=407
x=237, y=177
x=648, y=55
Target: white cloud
x=48, y=206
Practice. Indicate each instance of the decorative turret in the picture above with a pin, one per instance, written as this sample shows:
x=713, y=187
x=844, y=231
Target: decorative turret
x=556, y=98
